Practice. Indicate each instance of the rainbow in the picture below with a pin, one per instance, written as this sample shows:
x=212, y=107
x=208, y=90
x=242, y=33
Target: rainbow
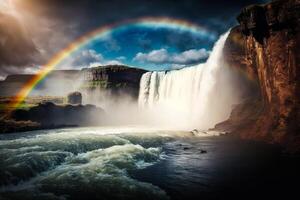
x=153, y=22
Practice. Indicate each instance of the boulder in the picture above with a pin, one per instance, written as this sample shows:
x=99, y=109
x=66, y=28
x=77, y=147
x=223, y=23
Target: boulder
x=75, y=98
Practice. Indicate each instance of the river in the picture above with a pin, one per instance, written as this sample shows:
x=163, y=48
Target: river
x=140, y=163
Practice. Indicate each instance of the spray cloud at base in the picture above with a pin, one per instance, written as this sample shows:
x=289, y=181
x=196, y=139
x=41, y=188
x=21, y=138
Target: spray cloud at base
x=193, y=97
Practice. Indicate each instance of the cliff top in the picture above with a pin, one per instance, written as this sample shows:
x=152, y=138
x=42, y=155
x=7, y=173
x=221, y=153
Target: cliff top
x=26, y=77
x=276, y=14
x=114, y=68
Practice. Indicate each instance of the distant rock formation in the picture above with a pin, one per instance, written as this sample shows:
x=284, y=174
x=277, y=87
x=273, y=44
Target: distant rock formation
x=116, y=78
x=51, y=115
x=12, y=126
x=266, y=47
x=74, y=98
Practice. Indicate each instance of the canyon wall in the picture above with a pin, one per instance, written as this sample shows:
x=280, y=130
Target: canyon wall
x=116, y=78
x=265, y=47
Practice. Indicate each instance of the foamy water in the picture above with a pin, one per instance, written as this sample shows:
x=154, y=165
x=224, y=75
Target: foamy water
x=131, y=163
x=54, y=163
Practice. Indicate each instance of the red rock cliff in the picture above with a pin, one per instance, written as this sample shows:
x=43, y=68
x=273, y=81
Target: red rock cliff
x=265, y=46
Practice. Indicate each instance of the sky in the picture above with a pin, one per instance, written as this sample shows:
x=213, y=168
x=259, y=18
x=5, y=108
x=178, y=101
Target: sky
x=33, y=31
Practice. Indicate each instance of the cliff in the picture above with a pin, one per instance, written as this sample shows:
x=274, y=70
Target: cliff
x=265, y=47
x=117, y=78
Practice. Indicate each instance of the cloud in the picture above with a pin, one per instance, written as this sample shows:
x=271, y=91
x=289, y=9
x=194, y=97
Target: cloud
x=112, y=45
x=162, y=56
x=17, y=50
x=106, y=62
x=121, y=58
x=88, y=58
x=50, y=25
x=177, y=66
x=28, y=41
x=155, y=56
x=81, y=59
x=113, y=62
x=189, y=56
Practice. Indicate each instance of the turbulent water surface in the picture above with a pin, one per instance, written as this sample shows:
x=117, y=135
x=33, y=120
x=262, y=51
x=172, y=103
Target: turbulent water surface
x=76, y=163
x=127, y=163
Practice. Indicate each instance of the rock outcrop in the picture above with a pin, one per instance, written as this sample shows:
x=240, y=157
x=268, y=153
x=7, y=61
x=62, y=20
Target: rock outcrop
x=12, y=126
x=266, y=47
x=119, y=79
x=74, y=98
x=52, y=115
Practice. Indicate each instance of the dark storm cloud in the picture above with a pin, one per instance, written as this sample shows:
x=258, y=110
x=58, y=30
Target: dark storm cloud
x=92, y=13
x=16, y=47
x=52, y=24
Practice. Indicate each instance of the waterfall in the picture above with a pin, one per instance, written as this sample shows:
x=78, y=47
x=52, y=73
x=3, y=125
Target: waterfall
x=194, y=97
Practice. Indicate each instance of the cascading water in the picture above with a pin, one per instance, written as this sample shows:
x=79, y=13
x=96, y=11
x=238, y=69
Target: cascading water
x=193, y=97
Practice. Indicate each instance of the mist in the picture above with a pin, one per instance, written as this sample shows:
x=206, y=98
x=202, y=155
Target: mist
x=194, y=97
x=59, y=83
x=198, y=97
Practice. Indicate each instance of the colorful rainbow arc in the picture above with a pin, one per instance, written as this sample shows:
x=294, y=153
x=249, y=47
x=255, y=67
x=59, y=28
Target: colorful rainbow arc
x=160, y=22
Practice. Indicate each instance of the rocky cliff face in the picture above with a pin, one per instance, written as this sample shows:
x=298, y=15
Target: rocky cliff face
x=116, y=78
x=266, y=46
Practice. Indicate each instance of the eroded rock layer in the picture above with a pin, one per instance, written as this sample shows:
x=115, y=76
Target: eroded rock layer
x=266, y=46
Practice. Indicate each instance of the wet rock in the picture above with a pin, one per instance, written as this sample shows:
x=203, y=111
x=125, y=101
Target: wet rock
x=75, y=98
x=203, y=151
x=194, y=132
x=9, y=126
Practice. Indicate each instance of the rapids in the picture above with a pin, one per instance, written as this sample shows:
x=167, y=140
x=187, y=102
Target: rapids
x=55, y=163
x=139, y=163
